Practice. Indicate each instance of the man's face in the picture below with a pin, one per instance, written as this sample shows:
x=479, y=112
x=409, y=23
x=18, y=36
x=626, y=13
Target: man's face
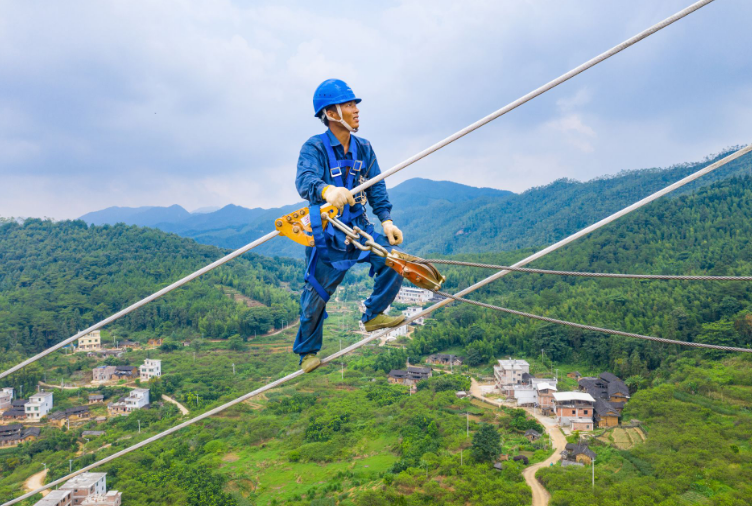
x=350, y=113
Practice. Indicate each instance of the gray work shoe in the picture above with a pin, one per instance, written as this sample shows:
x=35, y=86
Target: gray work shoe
x=382, y=321
x=310, y=362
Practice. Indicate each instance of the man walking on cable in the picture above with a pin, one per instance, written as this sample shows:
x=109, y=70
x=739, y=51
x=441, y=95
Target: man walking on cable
x=329, y=166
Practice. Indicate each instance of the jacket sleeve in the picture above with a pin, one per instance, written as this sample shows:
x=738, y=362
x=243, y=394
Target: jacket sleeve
x=377, y=195
x=311, y=168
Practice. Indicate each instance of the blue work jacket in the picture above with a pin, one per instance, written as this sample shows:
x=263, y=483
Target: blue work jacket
x=313, y=172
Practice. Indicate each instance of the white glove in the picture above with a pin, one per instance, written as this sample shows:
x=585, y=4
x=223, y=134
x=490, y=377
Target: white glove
x=392, y=233
x=337, y=196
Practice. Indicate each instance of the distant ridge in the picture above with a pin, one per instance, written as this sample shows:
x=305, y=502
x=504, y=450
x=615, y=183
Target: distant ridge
x=442, y=217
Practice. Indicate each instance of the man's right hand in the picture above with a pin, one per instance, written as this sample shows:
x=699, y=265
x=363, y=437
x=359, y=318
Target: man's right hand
x=337, y=196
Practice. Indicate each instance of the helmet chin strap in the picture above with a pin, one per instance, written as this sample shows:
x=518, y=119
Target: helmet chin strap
x=341, y=120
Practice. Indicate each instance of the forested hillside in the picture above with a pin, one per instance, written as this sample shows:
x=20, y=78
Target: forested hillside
x=58, y=278
x=708, y=232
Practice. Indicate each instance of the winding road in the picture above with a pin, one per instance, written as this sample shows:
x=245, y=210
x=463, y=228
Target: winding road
x=540, y=494
x=35, y=481
x=173, y=401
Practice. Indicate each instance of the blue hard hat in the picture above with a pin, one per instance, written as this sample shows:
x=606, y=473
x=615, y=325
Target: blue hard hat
x=331, y=92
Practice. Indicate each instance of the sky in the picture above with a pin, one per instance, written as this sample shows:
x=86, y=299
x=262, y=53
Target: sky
x=203, y=104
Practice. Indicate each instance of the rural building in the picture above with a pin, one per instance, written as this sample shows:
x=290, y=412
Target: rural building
x=532, y=391
x=113, y=372
x=578, y=453
x=93, y=433
x=96, y=398
x=573, y=406
x=15, y=434
x=16, y=411
x=90, y=342
x=56, y=498
x=102, y=373
x=150, y=369
x=409, y=295
x=409, y=377
x=138, y=398
x=412, y=311
x=605, y=414
x=532, y=435
x=582, y=424
x=103, y=353
x=611, y=394
x=111, y=498
x=73, y=414
x=509, y=372
x=130, y=345
x=38, y=406
x=444, y=359
x=86, y=485
x=574, y=374
x=6, y=398
x=155, y=342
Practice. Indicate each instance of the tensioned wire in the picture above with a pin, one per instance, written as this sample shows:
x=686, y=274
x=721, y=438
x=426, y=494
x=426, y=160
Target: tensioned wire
x=665, y=277
x=593, y=328
x=470, y=128
x=457, y=296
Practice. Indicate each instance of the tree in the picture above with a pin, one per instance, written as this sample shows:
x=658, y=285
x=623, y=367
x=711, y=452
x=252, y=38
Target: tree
x=486, y=444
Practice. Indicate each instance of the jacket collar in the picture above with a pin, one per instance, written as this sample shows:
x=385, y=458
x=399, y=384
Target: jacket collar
x=335, y=142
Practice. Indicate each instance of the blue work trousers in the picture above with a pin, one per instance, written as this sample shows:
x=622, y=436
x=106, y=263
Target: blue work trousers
x=387, y=283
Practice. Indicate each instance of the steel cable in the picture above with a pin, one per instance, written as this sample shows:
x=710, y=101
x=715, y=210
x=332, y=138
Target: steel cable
x=667, y=277
x=593, y=328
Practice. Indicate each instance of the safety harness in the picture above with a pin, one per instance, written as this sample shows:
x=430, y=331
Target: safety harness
x=349, y=213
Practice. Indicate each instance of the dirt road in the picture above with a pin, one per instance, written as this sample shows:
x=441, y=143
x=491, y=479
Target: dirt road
x=176, y=403
x=35, y=481
x=541, y=496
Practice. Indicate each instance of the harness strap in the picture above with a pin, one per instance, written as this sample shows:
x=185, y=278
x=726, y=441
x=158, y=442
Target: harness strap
x=319, y=239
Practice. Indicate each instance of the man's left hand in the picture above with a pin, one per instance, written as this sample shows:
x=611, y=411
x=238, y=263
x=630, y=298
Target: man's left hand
x=392, y=233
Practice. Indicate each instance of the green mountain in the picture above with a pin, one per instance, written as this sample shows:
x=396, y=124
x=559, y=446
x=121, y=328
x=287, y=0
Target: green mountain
x=58, y=278
x=441, y=217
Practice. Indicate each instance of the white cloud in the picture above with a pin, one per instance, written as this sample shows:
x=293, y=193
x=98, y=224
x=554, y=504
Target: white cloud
x=207, y=103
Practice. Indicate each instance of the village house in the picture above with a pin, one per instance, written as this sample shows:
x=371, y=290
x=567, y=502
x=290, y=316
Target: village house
x=444, y=359
x=91, y=488
x=412, y=311
x=579, y=453
x=96, y=398
x=509, y=372
x=574, y=374
x=532, y=435
x=111, y=498
x=409, y=377
x=6, y=398
x=410, y=295
x=605, y=414
x=113, y=372
x=137, y=398
x=16, y=411
x=129, y=345
x=61, y=417
x=90, y=342
x=150, y=369
x=611, y=393
x=57, y=498
x=104, y=353
x=38, y=406
x=574, y=409
x=155, y=342
x=15, y=434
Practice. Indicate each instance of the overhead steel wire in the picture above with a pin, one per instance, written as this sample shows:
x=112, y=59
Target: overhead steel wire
x=664, y=277
x=423, y=313
x=470, y=128
x=593, y=328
